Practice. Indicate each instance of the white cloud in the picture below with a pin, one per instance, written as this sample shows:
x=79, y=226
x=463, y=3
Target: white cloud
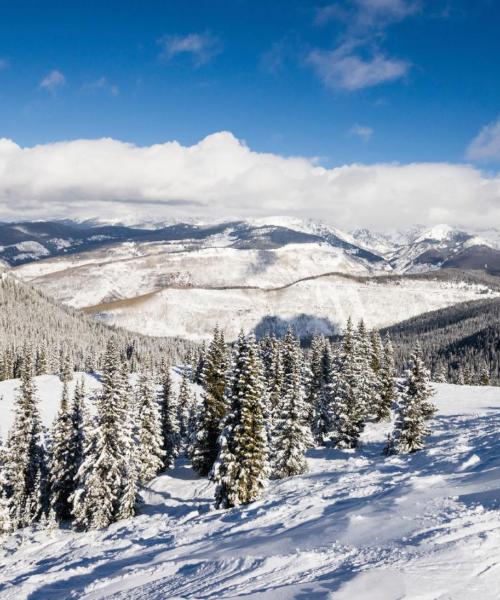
x=367, y=14
x=52, y=81
x=201, y=47
x=358, y=62
x=221, y=178
x=362, y=131
x=486, y=145
x=340, y=69
x=101, y=84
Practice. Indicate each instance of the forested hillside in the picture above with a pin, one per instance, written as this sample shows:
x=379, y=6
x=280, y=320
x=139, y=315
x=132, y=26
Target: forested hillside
x=461, y=342
x=56, y=334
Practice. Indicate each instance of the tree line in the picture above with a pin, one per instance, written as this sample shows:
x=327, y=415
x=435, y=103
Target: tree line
x=262, y=406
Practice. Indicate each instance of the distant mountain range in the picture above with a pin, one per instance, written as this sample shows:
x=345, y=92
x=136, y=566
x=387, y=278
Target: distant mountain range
x=417, y=249
x=180, y=279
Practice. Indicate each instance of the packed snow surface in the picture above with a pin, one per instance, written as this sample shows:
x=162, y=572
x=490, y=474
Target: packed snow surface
x=358, y=526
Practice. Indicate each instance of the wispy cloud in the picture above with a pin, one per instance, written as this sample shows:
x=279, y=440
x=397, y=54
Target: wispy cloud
x=358, y=60
x=367, y=15
x=486, y=145
x=343, y=69
x=52, y=81
x=200, y=47
x=101, y=84
x=364, y=132
x=4, y=64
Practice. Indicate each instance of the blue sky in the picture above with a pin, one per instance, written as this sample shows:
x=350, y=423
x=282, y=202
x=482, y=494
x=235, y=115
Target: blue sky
x=279, y=75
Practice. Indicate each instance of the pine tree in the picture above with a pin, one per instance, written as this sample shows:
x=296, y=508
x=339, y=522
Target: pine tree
x=241, y=469
x=376, y=351
x=292, y=434
x=272, y=355
x=78, y=422
x=213, y=407
x=441, y=374
x=315, y=376
x=102, y=475
x=169, y=419
x=387, y=387
x=349, y=390
x=322, y=420
x=62, y=460
x=25, y=470
x=365, y=380
x=414, y=408
x=183, y=409
x=484, y=375
x=5, y=522
x=150, y=454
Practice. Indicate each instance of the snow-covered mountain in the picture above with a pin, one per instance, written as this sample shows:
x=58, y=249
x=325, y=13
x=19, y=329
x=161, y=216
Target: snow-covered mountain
x=181, y=278
x=357, y=526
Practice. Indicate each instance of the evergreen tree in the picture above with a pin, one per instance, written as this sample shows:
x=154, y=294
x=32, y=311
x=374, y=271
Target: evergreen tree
x=5, y=523
x=365, y=381
x=350, y=389
x=272, y=354
x=387, y=387
x=183, y=409
x=414, y=408
x=25, y=470
x=322, y=420
x=62, y=460
x=150, y=454
x=376, y=351
x=484, y=375
x=292, y=434
x=241, y=469
x=213, y=407
x=169, y=419
x=78, y=421
x=101, y=477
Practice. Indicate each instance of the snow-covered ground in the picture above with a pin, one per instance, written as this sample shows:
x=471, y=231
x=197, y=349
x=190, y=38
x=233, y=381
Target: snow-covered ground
x=320, y=305
x=358, y=526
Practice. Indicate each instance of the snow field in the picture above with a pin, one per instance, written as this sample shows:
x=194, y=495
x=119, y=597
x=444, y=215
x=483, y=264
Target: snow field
x=357, y=526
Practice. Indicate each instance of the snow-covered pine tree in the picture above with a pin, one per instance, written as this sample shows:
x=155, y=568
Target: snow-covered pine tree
x=315, y=378
x=96, y=502
x=272, y=355
x=66, y=370
x=25, y=465
x=213, y=409
x=183, y=410
x=150, y=453
x=62, y=460
x=347, y=408
x=169, y=418
x=5, y=523
x=78, y=420
x=322, y=418
x=387, y=387
x=414, y=408
x=364, y=381
x=241, y=469
x=376, y=351
x=484, y=375
x=441, y=373
x=41, y=360
x=292, y=433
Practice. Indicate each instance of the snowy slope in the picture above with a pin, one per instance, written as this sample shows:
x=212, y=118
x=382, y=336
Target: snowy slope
x=357, y=526
x=320, y=305
x=130, y=270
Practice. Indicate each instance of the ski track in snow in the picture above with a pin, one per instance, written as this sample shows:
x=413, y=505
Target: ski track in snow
x=358, y=526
